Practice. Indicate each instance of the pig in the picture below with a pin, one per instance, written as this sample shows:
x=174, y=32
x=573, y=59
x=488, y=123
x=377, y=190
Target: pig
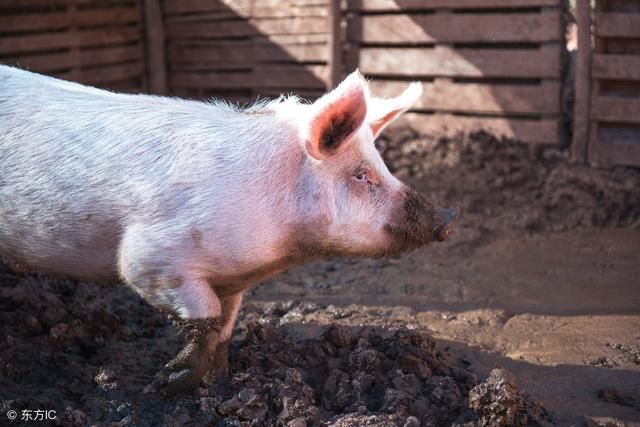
x=191, y=203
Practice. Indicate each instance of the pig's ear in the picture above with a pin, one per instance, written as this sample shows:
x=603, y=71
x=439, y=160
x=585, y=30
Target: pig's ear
x=384, y=111
x=336, y=117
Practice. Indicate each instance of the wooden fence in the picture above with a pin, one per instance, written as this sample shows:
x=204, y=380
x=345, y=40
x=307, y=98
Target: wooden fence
x=90, y=41
x=489, y=64
x=495, y=65
x=244, y=49
x=607, y=114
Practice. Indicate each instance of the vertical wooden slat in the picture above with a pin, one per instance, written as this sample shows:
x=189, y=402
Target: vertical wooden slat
x=351, y=56
x=335, y=43
x=581, y=132
x=75, y=73
x=154, y=30
x=593, y=151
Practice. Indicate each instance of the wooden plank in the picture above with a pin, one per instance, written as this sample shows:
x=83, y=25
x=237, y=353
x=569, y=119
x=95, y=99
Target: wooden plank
x=284, y=11
x=464, y=62
x=59, y=20
x=294, y=76
x=617, y=24
x=615, y=153
x=544, y=131
x=155, y=40
x=248, y=51
x=292, y=39
x=478, y=28
x=615, y=109
x=88, y=38
x=34, y=22
x=245, y=28
x=279, y=40
x=110, y=55
x=272, y=52
x=335, y=44
x=108, y=17
x=29, y=5
x=247, y=8
x=581, y=112
x=416, y=5
x=48, y=62
x=224, y=50
x=256, y=12
x=616, y=67
x=211, y=65
x=111, y=73
x=480, y=98
x=296, y=25
x=212, y=80
x=211, y=30
x=620, y=6
x=175, y=7
x=264, y=76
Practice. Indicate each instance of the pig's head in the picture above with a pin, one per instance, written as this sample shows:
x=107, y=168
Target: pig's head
x=351, y=203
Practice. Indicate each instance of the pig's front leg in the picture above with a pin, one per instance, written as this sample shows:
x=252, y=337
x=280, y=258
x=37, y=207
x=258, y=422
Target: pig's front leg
x=152, y=269
x=201, y=313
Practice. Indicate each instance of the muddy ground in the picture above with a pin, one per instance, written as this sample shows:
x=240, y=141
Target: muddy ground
x=529, y=314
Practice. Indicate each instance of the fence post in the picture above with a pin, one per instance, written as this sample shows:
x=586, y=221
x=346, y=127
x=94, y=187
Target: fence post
x=581, y=111
x=335, y=43
x=154, y=31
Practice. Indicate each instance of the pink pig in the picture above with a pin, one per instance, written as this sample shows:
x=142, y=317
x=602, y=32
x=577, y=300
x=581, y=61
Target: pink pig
x=191, y=203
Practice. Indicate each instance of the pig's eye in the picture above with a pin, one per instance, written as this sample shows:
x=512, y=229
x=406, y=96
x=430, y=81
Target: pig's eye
x=361, y=176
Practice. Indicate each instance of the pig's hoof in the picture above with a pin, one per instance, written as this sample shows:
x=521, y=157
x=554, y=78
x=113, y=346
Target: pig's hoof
x=192, y=363
x=188, y=367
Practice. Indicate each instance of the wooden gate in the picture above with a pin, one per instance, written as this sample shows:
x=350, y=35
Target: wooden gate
x=494, y=65
x=607, y=114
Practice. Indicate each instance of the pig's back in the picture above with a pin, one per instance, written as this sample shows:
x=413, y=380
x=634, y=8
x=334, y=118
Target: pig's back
x=76, y=164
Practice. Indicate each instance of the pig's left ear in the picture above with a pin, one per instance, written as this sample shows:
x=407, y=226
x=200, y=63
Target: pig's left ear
x=336, y=117
x=384, y=111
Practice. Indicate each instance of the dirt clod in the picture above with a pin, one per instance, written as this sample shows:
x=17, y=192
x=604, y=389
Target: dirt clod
x=499, y=403
x=632, y=352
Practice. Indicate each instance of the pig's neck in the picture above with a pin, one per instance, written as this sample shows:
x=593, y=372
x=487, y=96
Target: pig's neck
x=262, y=211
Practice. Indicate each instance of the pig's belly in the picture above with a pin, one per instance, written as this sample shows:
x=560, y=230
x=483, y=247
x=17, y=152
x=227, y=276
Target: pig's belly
x=88, y=253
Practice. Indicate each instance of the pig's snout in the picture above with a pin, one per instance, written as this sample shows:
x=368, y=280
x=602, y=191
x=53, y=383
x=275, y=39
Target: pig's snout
x=447, y=218
x=417, y=222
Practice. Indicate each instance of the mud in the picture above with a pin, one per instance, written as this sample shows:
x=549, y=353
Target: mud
x=94, y=354
x=539, y=278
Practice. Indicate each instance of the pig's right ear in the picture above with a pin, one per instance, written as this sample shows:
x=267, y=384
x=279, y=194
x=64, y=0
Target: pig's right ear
x=336, y=117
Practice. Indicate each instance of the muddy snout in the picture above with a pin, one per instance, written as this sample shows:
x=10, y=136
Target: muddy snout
x=446, y=219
